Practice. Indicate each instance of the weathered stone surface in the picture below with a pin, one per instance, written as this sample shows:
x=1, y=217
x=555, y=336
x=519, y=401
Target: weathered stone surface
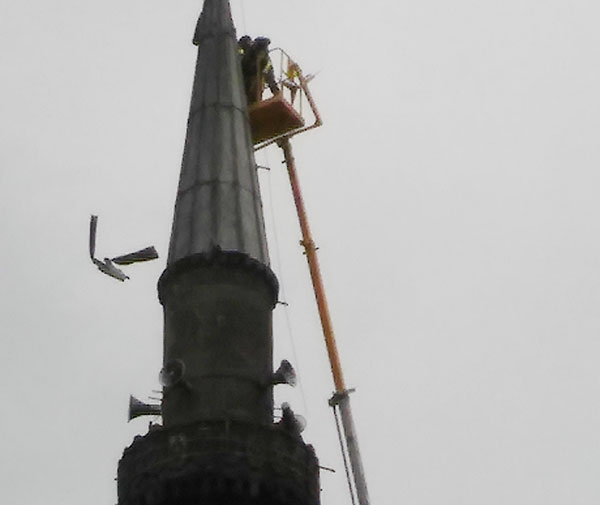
x=224, y=463
x=218, y=323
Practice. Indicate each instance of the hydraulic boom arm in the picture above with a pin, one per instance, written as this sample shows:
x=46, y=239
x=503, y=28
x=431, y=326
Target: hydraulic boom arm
x=341, y=399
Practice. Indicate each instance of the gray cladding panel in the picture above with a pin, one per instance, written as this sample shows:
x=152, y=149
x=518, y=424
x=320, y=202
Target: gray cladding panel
x=198, y=87
x=228, y=156
x=207, y=144
x=210, y=74
x=248, y=206
x=229, y=231
x=238, y=96
x=247, y=178
x=225, y=91
x=202, y=215
x=181, y=224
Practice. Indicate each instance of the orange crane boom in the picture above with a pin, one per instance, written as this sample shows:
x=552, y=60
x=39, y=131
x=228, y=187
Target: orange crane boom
x=340, y=399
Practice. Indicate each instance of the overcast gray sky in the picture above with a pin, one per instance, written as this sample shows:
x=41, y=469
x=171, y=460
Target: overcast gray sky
x=453, y=192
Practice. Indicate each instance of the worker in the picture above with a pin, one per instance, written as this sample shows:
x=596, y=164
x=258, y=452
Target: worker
x=244, y=45
x=256, y=67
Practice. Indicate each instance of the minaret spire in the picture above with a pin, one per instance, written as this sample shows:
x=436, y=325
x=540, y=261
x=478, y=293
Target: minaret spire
x=218, y=443
x=218, y=202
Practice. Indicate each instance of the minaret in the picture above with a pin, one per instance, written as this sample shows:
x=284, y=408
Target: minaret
x=218, y=444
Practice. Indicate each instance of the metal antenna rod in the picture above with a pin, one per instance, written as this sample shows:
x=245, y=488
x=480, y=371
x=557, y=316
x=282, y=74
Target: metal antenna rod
x=341, y=397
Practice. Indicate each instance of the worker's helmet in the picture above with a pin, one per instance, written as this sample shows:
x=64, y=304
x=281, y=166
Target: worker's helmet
x=245, y=42
x=261, y=42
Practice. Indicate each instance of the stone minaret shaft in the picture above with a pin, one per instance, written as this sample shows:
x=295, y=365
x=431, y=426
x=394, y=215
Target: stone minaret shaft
x=218, y=444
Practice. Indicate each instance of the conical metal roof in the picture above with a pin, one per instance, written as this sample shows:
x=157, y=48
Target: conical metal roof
x=218, y=200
